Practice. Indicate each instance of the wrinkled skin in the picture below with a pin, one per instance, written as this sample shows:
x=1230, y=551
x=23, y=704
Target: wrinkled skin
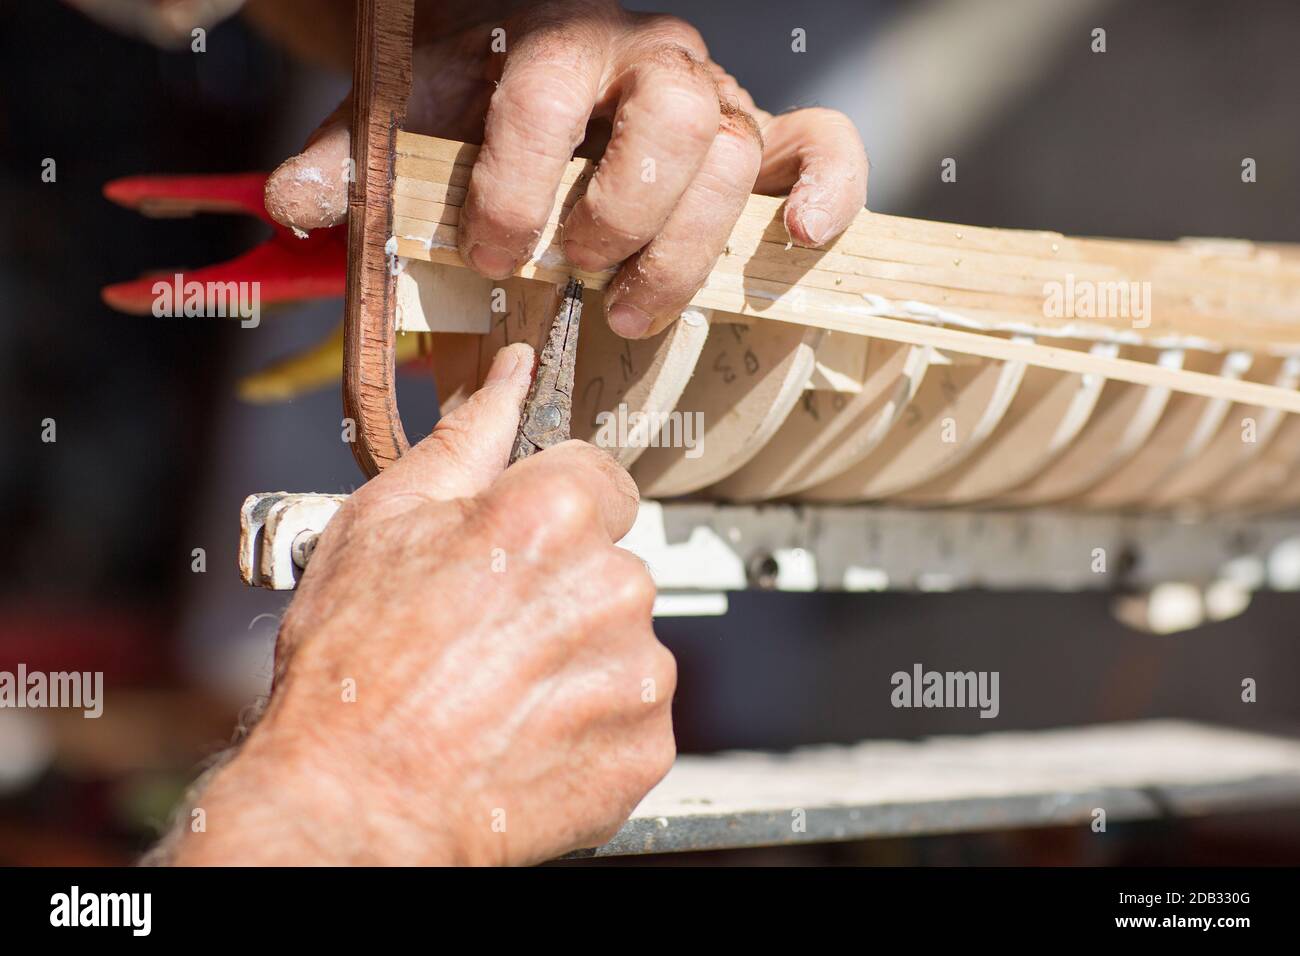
x=587, y=76
x=511, y=702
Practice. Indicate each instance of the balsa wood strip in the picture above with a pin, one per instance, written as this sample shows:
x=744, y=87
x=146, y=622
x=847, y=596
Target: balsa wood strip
x=843, y=313
x=811, y=311
x=918, y=322
x=431, y=211
x=450, y=161
x=986, y=294
x=1004, y=293
x=1132, y=406
x=1202, y=299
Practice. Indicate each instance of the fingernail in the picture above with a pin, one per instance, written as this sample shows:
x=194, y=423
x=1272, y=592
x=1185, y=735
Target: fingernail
x=815, y=224
x=628, y=321
x=503, y=366
x=493, y=261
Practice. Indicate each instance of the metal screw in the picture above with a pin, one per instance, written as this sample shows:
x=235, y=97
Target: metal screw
x=304, y=543
x=548, y=417
x=763, y=570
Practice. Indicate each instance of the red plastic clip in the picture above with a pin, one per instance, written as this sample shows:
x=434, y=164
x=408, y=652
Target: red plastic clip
x=285, y=267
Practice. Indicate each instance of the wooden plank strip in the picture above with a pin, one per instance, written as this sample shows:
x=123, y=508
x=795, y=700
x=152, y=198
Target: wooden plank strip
x=1201, y=266
x=438, y=203
x=814, y=313
x=1268, y=280
x=828, y=310
x=987, y=288
x=450, y=161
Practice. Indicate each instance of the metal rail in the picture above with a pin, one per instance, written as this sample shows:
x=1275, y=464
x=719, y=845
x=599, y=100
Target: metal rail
x=1086, y=777
x=701, y=548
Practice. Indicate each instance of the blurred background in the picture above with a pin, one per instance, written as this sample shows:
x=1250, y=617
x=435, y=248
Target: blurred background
x=155, y=452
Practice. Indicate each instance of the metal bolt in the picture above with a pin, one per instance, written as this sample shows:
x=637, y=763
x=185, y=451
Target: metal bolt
x=548, y=417
x=763, y=570
x=304, y=543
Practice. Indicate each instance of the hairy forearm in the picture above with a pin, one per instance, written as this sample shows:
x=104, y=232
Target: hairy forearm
x=430, y=709
x=251, y=812
x=268, y=801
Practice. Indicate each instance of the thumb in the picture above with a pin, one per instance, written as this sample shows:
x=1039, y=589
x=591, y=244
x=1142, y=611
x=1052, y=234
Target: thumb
x=310, y=190
x=469, y=447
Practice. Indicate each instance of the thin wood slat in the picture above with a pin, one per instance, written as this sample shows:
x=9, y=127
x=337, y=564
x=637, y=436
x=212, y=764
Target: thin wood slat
x=1097, y=412
x=1203, y=296
x=1210, y=291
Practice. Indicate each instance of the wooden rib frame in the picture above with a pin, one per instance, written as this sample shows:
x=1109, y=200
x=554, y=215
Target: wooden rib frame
x=927, y=286
x=1200, y=295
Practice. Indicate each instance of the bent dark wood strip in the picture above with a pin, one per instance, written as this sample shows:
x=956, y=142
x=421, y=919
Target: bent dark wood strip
x=381, y=83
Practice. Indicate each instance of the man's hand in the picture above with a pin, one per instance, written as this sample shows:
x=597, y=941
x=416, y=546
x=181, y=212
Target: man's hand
x=683, y=147
x=467, y=673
